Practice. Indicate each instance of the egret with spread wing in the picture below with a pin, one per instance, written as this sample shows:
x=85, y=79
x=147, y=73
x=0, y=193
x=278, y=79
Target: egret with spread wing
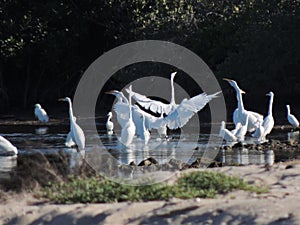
x=154, y=105
x=180, y=115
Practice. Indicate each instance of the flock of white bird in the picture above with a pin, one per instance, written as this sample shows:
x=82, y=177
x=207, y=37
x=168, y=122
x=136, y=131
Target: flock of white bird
x=138, y=123
x=253, y=122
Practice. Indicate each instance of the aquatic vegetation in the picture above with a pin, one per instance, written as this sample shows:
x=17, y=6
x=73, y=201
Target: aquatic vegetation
x=190, y=185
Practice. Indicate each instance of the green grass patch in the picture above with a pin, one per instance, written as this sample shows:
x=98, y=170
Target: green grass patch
x=97, y=189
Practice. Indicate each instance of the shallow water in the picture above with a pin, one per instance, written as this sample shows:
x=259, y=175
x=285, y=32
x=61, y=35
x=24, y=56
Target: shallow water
x=49, y=139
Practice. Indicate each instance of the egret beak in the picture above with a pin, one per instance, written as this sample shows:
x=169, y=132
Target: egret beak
x=227, y=79
x=242, y=92
x=267, y=94
x=61, y=99
x=109, y=92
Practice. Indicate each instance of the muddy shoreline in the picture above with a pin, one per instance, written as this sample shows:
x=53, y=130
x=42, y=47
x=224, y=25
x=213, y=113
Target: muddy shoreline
x=278, y=206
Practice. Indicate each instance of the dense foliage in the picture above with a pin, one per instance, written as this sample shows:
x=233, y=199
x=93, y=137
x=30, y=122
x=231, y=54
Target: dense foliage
x=191, y=185
x=47, y=45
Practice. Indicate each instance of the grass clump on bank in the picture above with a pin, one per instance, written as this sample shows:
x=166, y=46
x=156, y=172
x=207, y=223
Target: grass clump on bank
x=100, y=190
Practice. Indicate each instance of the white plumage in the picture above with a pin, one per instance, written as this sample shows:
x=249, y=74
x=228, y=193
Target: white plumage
x=268, y=122
x=122, y=101
x=76, y=134
x=291, y=118
x=237, y=127
x=241, y=132
x=157, y=106
x=121, y=108
x=240, y=113
x=128, y=131
x=180, y=115
x=109, y=123
x=40, y=113
x=145, y=133
x=6, y=147
x=259, y=132
x=226, y=134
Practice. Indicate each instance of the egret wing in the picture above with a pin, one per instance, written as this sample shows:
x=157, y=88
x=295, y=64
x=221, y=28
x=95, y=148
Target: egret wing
x=122, y=111
x=150, y=104
x=187, y=108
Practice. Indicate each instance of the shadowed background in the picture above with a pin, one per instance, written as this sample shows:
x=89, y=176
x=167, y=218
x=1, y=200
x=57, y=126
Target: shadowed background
x=47, y=46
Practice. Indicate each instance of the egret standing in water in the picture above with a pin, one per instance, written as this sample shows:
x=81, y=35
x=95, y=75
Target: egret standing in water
x=226, y=134
x=40, y=113
x=76, y=133
x=268, y=122
x=128, y=131
x=6, y=148
x=241, y=132
x=121, y=108
x=145, y=134
x=109, y=124
x=291, y=118
x=259, y=133
x=240, y=114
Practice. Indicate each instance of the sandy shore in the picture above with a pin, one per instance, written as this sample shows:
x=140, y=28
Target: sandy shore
x=279, y=206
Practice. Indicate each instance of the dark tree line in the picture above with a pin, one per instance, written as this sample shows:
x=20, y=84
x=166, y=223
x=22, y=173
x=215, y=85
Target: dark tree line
x=47, y=45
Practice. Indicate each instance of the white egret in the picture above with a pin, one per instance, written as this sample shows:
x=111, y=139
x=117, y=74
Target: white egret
x=6, y=147
x=121, y=108
x=151, y=122
x=76, y=133
x=177, y=115
x=145, y=134
x=240, y=134
x=177, y=118
x=69, y=141
x=122, y=101
x=226, y=134
x=240, y=113
x=40, y=113
x=128, y=131
x=237, y=127
x=162, y=130
x=109, y=124
x=259, y=132
x=154, y=105
x=291, y=118
x=268, y=122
